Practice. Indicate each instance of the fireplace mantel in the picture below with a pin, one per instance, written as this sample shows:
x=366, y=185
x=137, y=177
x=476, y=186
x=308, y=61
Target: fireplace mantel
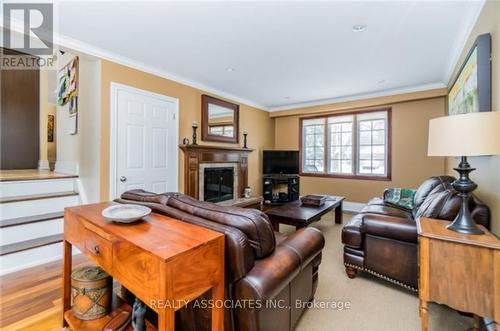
x=199, y=154
x=214, y=148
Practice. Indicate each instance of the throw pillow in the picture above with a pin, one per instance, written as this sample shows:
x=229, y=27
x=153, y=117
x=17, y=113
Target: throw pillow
x=400, y=197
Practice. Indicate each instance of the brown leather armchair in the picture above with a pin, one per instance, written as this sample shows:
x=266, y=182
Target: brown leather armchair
x=382, y=239
x=261, y=265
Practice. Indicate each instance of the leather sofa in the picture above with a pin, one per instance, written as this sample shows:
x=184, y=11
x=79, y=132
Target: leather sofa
x=382, y=239
x=261, y=265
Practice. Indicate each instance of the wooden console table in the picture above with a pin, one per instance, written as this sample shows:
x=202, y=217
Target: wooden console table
x=163, y=261
x=459, y=270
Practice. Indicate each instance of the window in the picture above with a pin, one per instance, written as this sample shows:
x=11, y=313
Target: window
x=314, y=134
x=354, y=145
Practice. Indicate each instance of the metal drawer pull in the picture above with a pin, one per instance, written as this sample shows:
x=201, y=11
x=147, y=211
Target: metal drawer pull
x=96, y=249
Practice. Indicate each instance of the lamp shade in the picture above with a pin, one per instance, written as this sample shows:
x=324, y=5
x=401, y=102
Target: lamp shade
x=471, y=134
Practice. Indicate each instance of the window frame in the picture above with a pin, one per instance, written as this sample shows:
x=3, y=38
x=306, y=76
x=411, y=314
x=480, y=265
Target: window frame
x=354, y=175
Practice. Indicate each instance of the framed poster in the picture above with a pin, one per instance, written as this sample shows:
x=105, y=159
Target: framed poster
x=471, y=89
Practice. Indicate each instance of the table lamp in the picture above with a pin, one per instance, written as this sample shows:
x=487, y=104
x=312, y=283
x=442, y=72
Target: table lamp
x=473, y=134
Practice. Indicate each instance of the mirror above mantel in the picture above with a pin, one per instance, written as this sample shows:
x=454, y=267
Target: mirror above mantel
x=220, y=120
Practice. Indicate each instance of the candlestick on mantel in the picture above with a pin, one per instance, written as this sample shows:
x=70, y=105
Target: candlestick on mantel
x=245, y=133
x=195, y=126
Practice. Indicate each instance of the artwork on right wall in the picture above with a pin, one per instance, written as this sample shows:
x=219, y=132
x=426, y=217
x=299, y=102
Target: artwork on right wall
x=471, y=89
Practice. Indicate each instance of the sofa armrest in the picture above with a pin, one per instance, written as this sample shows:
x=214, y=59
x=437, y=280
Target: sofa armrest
x=390, y=227
x=272, y=274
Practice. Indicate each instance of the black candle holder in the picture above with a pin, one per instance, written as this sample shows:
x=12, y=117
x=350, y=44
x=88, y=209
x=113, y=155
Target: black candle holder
x=195, y=126
x=245, y=134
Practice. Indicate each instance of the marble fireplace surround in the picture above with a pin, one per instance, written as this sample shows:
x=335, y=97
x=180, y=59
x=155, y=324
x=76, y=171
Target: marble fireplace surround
x=197, y=158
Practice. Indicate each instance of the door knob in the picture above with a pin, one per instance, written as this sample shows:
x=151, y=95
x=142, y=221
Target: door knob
x=123, y=179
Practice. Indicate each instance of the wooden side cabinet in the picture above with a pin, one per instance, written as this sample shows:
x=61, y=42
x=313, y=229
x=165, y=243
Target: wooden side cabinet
x=458, y=270
x=163, y=261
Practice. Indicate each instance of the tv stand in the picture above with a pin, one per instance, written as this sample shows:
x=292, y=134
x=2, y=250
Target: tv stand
x=280, y=188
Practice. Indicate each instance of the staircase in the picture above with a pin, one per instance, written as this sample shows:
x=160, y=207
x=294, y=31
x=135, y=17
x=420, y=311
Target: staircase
x=31, y=219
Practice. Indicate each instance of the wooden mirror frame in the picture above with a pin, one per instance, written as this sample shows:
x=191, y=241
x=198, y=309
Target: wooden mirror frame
x=206, y=136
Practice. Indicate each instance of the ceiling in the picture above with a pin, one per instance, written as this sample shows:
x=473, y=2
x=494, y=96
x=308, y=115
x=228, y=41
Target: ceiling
x=278, y=55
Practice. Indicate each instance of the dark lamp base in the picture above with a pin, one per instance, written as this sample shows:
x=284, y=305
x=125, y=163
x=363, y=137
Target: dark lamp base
x=464, y=227
x=464, y=223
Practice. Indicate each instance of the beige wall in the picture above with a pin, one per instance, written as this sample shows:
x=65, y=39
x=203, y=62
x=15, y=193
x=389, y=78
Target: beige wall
x=259, y=125
x=410, y=163
x=89, y=127
x=487, y=175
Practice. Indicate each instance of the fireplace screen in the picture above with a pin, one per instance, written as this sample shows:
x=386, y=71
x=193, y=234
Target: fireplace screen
x=218, y=184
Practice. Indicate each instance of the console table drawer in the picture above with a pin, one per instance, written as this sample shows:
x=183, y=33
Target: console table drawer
x=99, y=248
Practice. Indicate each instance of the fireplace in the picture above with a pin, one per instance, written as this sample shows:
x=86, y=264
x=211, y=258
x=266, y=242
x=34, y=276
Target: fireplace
x=218, y=184
x=199, y=158
x=218, y=181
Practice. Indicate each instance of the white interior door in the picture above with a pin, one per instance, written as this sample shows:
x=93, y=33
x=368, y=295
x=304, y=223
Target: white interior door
x=146, y=141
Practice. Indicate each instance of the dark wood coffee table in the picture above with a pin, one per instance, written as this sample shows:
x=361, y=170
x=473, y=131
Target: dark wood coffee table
x=300, y=216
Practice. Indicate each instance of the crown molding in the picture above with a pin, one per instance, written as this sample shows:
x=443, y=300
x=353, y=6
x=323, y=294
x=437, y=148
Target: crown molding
x=461, y=39
x=78, y=46
x=364, y=96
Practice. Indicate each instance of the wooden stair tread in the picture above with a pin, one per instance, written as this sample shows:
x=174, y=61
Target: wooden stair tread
x=29, y=244
x=118, y=304
x=31, y=174
x=30, y=219
x=20, y=198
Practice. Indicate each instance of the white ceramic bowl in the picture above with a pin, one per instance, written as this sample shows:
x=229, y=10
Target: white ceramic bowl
x=126, y=213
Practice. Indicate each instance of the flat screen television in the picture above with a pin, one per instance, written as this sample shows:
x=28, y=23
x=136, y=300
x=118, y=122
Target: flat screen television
x=280, y=162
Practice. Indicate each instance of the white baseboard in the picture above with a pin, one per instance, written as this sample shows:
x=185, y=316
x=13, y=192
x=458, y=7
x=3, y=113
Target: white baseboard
x=43, y=165
x=353, y=207
x=66, y=167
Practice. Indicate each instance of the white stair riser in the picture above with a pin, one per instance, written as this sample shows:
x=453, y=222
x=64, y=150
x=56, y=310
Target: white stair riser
x=37, y=207
x=32, y=257
x=29, y=187
x=28, y=257
x=17, y=233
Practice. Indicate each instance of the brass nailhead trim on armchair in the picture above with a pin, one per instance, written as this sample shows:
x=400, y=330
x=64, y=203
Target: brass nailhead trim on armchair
x=408, y=287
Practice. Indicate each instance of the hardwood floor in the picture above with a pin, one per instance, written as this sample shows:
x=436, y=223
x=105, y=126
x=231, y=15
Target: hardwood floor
x=31, y=299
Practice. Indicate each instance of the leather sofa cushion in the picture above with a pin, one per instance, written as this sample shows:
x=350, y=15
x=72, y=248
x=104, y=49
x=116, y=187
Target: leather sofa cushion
x=386, y=210
x=429, y=186
x=254, y=223
x=442, y=205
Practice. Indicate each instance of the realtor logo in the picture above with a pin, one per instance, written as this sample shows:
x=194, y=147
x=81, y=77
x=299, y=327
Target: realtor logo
x=38, y=23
